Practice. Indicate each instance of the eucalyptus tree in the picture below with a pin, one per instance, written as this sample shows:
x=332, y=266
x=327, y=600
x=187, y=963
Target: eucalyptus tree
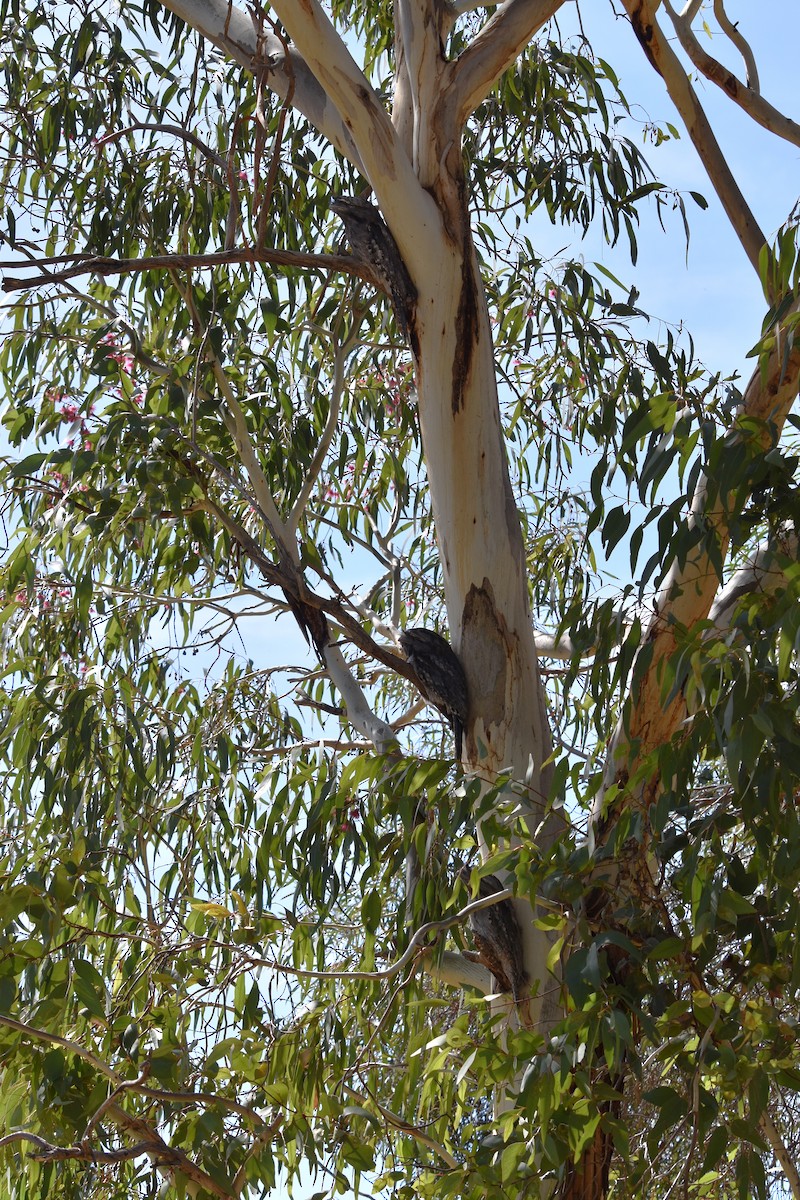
x=279, y=347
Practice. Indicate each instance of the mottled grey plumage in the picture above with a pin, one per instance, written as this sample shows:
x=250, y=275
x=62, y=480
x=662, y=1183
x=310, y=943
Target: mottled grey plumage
x=441, y=676
x=373, y=245
x=498, y=937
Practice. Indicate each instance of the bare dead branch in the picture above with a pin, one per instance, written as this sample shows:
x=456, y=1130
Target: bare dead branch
x=747, y=98
x=665, y=61
x=740, y=42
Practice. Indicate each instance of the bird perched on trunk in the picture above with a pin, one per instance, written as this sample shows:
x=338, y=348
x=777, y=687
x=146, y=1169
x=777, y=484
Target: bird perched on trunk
x=373, y=245
x=498, y=936
x=441, y=676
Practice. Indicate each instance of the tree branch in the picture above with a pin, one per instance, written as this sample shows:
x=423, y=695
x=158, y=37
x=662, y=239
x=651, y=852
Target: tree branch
x=692, y=583
x=175, y=130
x=744, y=95
x=88, y=264
x=418, y=946
x=760, y=574
x=665, y=61
x=456, y=971
x=204, y=1099
x=165, y=1155
x=409, y=211
x=422, y=28
x=741, y=44
x=402, y=106
x=397, y=1122
x=332, y=608
x=345, y=84
x=789, y=1166
x=161, y=1151
x=381, y=735
x=47, y=1152
x=265, y=1135
x=492, y=51
x=233, y=31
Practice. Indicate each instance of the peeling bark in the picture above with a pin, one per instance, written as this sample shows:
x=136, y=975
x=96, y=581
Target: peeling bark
x=588, y=1179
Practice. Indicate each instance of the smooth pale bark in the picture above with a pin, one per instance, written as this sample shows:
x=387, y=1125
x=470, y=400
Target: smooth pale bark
x=761, y=575
x=407, y=208
x=501, y=40
x=482, y=558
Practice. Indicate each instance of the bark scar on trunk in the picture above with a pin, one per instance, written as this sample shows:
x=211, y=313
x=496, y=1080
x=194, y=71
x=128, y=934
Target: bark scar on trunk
x=644, y=32
x=467, y=333
x=483, y=653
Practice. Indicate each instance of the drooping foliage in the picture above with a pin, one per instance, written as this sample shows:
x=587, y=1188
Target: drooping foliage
x=207, y=966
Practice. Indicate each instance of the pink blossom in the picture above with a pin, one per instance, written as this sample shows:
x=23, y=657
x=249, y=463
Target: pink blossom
x=69, y=412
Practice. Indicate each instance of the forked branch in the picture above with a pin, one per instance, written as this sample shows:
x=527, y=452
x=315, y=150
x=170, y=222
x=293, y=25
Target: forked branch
x=493, y=50
x=665, y=61
x=233, y=32
x=745, y=95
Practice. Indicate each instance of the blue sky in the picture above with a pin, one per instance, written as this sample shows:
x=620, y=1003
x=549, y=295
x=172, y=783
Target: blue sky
x=715, y=292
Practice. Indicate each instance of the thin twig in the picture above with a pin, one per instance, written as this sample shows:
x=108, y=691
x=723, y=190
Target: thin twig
x=175, y=130
x=403, y=1126
x=416, y=946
